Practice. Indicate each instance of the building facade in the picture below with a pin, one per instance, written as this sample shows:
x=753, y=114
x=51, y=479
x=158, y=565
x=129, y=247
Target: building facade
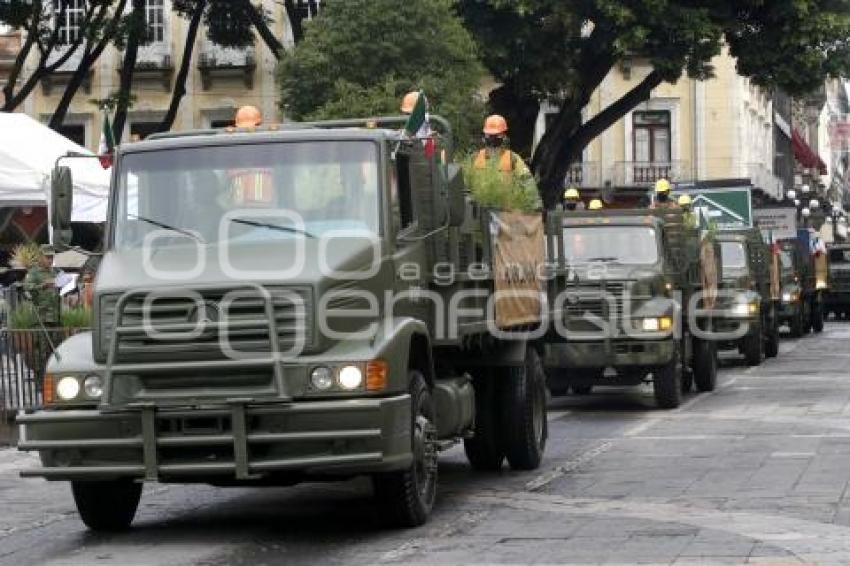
x=221, y=79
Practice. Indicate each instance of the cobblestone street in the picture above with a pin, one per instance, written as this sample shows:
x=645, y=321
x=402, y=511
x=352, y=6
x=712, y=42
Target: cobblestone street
x=754, y=472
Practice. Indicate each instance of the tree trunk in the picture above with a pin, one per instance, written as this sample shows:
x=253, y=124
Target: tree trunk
x=564, y=142
x=128, y=68
x=263, y=29
x=296, y=21
x=10, y=101
x=185, y=65
x=521, y=114
x=90, y=57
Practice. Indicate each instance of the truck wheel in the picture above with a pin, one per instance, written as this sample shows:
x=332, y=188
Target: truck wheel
x=705, y=365
x=667, y=382
x=771, y=344
x=484, y=450
x=107, y=505
x=817, y=317
x=687, y=380
x=582, y=389
x=524, y=413
x=796, y=324
x=408, y=495
x=754, y=347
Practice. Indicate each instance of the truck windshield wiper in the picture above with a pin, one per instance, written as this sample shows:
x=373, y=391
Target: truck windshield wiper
x=168, y=227
x=272, y=226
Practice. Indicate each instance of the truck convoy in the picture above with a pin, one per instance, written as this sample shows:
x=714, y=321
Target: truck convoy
x=277, y=305
x=749, y=296
x=640, y=281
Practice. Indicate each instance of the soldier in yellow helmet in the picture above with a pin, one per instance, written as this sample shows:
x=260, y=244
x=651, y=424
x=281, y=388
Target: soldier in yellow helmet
x=571, y=198
x=595, y=204
x=685, y=202
x=662, y=195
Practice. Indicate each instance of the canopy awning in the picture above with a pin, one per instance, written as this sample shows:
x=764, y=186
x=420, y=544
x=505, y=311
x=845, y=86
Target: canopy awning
x=805, y=155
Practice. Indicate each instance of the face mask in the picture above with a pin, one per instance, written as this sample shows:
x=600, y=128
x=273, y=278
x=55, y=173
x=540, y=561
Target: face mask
x=662, y=197
x=492, y=141
x=571, y=206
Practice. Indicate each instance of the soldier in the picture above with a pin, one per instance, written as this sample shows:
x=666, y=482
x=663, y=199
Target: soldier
x=686, y=205
x=248, y=117
x=408, y=103
x=571, y=199
x=39, y=284
x=495, y=135
x=662, y=195
x=595, y=204
x=685, y=202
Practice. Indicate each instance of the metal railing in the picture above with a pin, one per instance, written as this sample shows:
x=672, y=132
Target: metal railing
x=584, y=174
x=645, y=173
x=23, y=360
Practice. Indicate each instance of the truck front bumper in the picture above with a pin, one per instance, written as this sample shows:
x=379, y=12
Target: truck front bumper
x=238, y=440
x=613, y=353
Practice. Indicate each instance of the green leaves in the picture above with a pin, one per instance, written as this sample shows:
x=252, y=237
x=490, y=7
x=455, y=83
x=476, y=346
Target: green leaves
x=359, y=57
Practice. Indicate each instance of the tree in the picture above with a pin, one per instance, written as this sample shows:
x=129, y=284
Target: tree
x=359, y=57
x=194, y=10
x=35, y=19
x=137, y=33
x=561, y=50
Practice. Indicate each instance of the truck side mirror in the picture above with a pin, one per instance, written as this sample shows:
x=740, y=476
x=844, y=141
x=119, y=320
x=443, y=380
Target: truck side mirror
x=61, y=202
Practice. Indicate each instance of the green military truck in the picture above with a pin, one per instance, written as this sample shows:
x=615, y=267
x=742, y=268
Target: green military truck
x=802, y=299
x=837, y=298
x=628, y=310
x=285, y=304
x=748, y=302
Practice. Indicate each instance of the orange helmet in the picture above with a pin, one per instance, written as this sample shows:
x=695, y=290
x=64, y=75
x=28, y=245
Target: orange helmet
x=408, y=103
x=495, y=125
x=248, y=116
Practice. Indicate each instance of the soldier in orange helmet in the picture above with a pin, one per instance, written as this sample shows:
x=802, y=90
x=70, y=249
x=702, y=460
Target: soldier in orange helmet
x=495, y=138
x=251, y=188
x=408, y=103
x=248, y=117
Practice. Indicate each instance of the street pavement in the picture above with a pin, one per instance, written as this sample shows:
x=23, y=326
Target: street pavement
x=755, y=472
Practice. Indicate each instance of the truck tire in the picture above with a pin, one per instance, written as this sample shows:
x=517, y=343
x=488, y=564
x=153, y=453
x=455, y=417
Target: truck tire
x=407, y=496
x=796, y=324
x=771, y=339
x=667, y=382
x=817, y=316
x=687, y=380
x=484, y=450
x=705, y=365
x=524, y=413
x=107, y=505
x=753, y=346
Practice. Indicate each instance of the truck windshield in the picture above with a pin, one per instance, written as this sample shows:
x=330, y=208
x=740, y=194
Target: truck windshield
x=248, y=192
x=733, y=255
x=615, y=244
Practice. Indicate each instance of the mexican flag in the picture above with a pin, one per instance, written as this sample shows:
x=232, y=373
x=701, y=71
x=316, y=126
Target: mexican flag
x=107, y=142
x=418, y=124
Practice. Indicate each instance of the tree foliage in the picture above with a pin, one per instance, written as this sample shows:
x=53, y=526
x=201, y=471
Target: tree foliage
x=561, y=50
x=359, y=57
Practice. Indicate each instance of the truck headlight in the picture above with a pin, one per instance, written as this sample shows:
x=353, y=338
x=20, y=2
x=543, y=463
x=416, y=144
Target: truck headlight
x=350, y=377
x=790, y=297
x=656, y=324
x=67, y=388
x=93, y=386
x=745, y=309
x=322, y=378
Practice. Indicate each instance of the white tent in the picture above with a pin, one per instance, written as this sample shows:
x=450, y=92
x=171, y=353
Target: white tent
x=28, y=152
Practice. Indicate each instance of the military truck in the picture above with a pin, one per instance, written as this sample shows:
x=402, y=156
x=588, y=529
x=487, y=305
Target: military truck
x=283, y=304
x=802, y=304
x=837, y=298
x=633, y=275
x=748, y=300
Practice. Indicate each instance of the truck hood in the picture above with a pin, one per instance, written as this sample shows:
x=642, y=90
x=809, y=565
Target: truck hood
x=274, y=262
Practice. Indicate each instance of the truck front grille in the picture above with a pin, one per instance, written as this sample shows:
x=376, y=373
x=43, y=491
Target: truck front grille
x=210, y=324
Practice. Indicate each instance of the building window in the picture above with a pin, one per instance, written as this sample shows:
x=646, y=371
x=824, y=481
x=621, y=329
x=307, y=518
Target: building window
x=308, y=9
x=651, y=131
x=74, y=132
x=141, y=130
x=69, y=18
x=155, y=20
x=221, y=124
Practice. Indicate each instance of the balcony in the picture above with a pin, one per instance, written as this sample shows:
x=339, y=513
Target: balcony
x=584, y=174
x=154, y=64
x=217, y=62
x=646, y=173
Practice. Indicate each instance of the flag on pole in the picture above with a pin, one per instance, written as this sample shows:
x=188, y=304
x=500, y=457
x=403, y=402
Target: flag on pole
x=107, y=142
x=419, y=126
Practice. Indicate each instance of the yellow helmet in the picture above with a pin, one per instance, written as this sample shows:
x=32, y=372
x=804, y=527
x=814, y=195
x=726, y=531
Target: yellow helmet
x=684, y=200
x=662, y=186
x=571, y=194
x=595, y=204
